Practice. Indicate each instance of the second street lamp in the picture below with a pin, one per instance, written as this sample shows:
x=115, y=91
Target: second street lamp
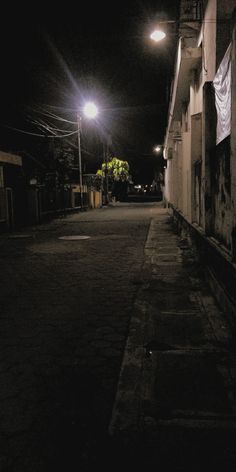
x=157, y=149
x=157, y=35
x=90, y=111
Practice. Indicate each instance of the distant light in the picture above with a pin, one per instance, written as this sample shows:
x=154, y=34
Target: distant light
x=157, y=149
x=90, y=110
x=157, y=35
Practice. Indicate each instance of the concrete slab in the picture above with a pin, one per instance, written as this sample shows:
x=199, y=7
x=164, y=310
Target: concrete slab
x=176, y=371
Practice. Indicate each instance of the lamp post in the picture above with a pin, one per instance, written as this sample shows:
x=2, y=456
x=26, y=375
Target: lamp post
x=90, y=111
x=106, y=147
x=80, y=163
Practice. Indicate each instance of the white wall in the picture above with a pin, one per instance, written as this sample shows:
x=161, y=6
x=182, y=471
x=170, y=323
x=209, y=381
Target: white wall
x=186, y=174
x=208, y=39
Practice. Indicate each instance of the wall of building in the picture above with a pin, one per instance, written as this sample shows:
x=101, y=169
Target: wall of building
x=208, y=39
x=233, y=140
x=198, y=175
x=223, y=29
x=204, y=198
x=221, y=194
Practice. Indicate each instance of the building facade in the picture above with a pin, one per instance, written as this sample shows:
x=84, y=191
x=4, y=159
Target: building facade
x=200, y=141
x=11, y=190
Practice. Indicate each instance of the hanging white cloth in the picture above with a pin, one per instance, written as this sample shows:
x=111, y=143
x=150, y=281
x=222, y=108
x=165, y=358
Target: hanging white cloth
x=222, y=87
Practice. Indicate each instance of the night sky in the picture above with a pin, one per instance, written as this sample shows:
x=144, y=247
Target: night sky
x=54, y=58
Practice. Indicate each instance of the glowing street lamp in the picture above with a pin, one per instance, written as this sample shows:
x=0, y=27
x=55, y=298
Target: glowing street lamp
x=90, y=111
x=157, y=35
x=157, y=148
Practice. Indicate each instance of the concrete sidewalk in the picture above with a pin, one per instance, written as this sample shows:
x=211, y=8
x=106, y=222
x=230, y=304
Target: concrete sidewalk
x=175, y=403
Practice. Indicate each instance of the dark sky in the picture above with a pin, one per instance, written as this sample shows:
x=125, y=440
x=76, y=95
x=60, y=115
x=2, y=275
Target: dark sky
x=56, y=57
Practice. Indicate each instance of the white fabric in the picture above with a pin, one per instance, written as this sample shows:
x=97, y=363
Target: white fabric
x=222, y=86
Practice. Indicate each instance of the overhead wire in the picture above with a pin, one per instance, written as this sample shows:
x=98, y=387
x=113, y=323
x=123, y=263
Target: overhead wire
x=40, y=135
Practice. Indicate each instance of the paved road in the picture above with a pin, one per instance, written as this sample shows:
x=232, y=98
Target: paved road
x=115, y=332
x=65, y=312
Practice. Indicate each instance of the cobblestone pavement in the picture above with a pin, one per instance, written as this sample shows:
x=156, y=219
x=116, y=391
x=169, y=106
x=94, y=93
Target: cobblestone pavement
x=111, y=345
x=65, y=313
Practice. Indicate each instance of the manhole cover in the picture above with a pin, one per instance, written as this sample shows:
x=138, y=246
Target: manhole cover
x=73, y=238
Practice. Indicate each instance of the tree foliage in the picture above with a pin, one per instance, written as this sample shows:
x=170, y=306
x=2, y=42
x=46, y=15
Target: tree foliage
x=116, y=169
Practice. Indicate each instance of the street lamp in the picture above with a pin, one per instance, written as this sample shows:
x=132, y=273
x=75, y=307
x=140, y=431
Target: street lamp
x=90, y=111
x=160, y=31
x=157, y=148
x=157, y=35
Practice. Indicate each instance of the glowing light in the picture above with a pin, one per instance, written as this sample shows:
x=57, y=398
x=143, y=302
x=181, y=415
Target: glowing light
x=157, y=35
x=157, y=149
x=90, y=110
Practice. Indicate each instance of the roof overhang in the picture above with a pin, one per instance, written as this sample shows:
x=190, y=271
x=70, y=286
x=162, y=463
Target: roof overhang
x=8, y=158
x=188, y=60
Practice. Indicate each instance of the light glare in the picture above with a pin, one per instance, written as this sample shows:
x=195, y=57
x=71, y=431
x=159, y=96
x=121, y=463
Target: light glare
x=157, y=35
x=90, y=110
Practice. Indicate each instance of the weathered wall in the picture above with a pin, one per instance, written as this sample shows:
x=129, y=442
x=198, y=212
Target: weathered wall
x=196, y=155
x=223, y=31
x=202, y=176
x=233, y=141
x=186, y=174
x=221, y=193
x=208, y=35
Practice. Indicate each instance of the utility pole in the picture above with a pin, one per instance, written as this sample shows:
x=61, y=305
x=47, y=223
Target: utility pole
x=80, y=162
x=105, y=159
